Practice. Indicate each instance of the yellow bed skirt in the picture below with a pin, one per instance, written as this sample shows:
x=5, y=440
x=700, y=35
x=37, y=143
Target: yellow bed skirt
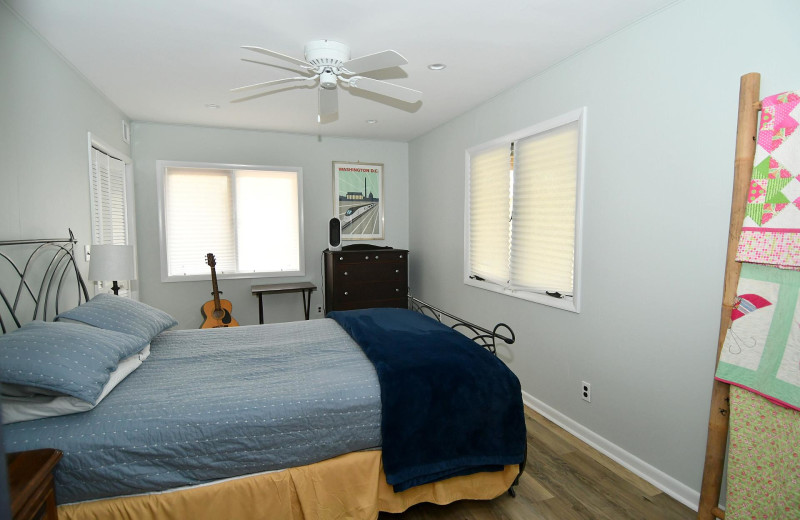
x=351, y=486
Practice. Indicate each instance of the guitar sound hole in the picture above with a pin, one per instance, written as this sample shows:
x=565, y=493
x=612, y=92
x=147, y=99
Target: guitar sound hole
x=223, y=315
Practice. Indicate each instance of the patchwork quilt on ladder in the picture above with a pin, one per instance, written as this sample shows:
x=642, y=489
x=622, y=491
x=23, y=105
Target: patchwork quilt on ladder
x=763, y=459
x=761, y=352
x=771, y=228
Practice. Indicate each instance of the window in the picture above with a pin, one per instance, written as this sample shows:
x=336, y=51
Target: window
x=109, y=207
x=523, y=207
x=249, y=217
x=111, y=195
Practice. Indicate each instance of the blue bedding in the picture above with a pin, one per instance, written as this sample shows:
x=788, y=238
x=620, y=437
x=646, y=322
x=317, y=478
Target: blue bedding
x=449, y=406
x=212, y=404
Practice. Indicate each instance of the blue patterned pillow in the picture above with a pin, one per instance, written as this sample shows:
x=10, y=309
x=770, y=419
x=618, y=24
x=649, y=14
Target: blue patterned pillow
x=68, y=358
x=122, y=315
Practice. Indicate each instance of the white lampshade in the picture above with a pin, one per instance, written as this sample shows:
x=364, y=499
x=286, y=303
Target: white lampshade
x=109, y=262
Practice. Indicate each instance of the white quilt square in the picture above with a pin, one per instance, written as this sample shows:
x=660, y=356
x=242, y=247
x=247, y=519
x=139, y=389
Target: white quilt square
x=792, y=190
x=788, y=153
x=745, y=341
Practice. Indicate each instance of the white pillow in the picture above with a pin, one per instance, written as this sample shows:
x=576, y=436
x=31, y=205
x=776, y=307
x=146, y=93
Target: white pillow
x=30, y=407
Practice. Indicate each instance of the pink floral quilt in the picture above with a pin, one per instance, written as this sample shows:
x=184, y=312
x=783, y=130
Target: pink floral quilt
x=771, y=228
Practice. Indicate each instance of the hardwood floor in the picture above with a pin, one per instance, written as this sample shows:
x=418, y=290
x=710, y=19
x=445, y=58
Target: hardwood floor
x=565, y=479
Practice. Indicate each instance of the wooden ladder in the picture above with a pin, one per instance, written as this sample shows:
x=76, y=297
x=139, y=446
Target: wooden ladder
x=716, y=445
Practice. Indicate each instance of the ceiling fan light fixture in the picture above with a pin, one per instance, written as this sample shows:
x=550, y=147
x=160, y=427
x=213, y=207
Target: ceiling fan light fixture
x=327, y=79
x=437, y=66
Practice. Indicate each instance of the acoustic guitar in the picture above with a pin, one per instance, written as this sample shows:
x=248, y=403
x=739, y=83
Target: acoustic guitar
x=216, y=313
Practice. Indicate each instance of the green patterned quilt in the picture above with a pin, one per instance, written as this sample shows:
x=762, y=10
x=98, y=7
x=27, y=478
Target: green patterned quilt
x=763, y=459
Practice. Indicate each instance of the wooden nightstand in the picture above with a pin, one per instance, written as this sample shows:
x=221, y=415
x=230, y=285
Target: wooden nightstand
x=30, y=482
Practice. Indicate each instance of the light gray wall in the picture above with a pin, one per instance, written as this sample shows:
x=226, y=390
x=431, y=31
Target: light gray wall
x=47, y=110
x=662, y=103
x=152, y=142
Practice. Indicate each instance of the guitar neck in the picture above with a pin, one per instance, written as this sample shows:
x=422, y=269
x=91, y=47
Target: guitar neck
x=215, y=291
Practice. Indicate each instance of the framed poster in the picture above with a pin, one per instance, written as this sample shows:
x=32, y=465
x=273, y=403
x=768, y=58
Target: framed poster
x=358, y=199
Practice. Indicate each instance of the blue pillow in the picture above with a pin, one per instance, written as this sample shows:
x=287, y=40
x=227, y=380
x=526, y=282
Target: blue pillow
x=120, y=314
x=68, y=358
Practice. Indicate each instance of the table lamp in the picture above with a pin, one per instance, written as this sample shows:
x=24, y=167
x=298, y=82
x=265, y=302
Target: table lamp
x=111, y=262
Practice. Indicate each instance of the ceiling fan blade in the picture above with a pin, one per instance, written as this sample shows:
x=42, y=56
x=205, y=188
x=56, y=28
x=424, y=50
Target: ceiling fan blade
x=328, y=102
x=290, y=69
x=408, y=95
x=278, y=55
x=274, y=82
x=377, y=61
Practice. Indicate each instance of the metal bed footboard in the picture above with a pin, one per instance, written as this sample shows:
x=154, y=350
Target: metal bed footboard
x=482, y=336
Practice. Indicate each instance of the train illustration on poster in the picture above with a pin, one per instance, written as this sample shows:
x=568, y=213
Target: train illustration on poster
x=355, y=212
x=358, y=199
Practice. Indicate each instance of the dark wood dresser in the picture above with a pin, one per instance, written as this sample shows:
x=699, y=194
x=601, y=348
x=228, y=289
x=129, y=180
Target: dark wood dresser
x=358, y=277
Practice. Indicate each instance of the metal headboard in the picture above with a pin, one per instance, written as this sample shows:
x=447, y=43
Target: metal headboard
x=40, y=281
x=484, y=337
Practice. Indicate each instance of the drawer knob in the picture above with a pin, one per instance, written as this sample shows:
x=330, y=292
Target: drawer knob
x=345, y=293
x=366, y=257
x=345, y=273
x=397, y=270
x=401, y=256
x=397, y=290
x=341, y=258
x=376, y=257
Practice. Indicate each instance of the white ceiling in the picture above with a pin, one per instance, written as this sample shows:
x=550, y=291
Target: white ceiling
x=165, y=60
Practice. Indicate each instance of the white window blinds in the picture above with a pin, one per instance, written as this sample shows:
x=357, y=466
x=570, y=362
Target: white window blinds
x=523, y=213
x=267, y=200
x=249, y=219
x=199, y=220
x=489, y=213
x=543, y=225
x=109, y=199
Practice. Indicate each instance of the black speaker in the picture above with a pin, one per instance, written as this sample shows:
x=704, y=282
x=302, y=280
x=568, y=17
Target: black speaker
x=335, y=234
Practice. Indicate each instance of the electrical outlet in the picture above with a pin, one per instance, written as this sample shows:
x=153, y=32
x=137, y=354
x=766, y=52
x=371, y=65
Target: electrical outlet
x=586, y=391
x=319, y=310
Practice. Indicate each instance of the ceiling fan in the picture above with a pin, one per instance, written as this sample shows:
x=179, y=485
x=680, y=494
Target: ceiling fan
x=328, y=63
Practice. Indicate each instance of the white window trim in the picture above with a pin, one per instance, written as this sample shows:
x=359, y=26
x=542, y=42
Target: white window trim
x=161, y=167
x=568, y=303
x=130, y=208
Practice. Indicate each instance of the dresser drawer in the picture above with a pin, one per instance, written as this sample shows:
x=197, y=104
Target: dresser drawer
x=368, y=257
x=401, y=303
x=346, y=274
x=369, y=291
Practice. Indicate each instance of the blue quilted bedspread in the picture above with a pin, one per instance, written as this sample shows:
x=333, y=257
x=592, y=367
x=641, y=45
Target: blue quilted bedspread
x=216, y=403
x=449, y=407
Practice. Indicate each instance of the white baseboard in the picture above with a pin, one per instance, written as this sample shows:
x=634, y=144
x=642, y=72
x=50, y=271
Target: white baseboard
x=677, y=490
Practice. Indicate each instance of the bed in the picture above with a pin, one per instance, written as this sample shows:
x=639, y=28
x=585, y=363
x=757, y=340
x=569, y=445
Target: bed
x=341, y=417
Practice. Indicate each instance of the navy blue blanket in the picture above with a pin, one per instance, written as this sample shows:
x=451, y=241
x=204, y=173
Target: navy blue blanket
x=449, y=407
